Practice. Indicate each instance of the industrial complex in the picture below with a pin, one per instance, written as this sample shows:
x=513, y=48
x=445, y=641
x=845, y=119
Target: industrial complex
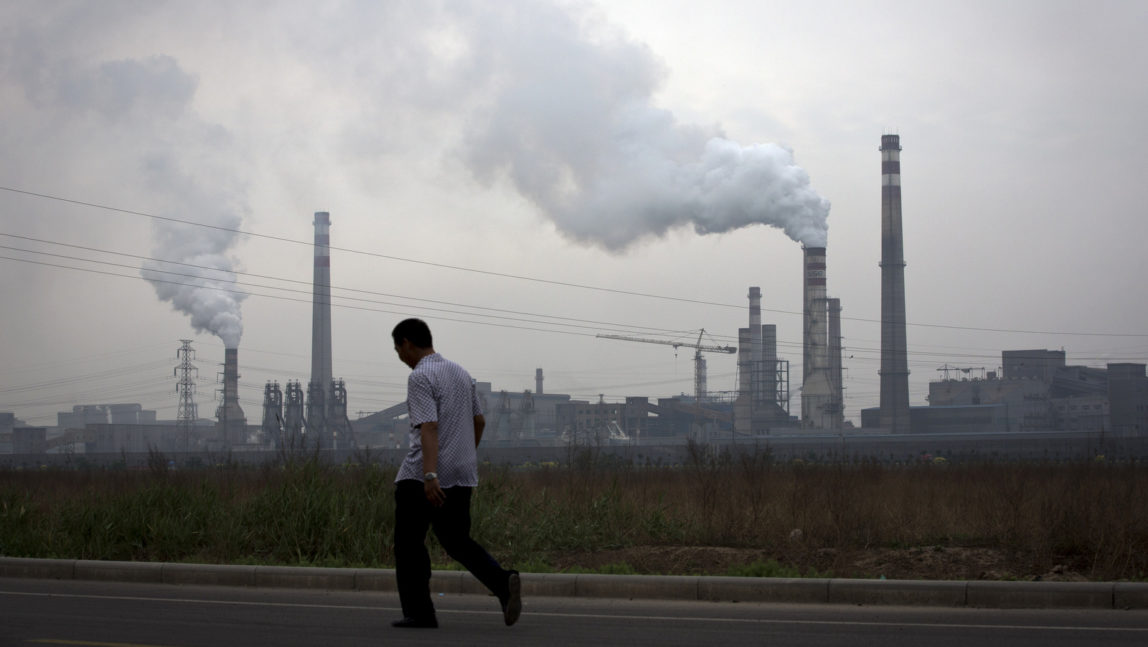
x=1035, y=400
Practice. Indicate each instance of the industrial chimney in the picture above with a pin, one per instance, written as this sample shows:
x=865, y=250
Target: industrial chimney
x=231, y=423
x=320, y=396
x=837, y=392
x=768, y=365
x=748, y=366
x=755, y=345
x=894, y=348
x=816, y=391
x=538, y=381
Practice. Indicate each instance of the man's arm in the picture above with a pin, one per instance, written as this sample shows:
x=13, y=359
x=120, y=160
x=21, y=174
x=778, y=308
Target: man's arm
x=428, y=433
x=479, y=425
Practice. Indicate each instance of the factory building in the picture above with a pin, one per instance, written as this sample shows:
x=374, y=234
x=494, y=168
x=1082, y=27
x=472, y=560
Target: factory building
x=82, y=415
x=1128, y=399
x=637, y=420
x=8, y=422
x=948, y=419
x=512, y=418
x=1038, y=392
x=519, y=417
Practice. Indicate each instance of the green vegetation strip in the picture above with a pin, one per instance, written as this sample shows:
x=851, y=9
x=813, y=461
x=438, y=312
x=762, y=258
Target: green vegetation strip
x=596, y=516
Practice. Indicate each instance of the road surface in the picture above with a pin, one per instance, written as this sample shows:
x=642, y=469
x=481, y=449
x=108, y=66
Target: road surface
x=118, y=614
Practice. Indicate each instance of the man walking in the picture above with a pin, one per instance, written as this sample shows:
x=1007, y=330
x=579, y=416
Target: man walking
x=435, y=480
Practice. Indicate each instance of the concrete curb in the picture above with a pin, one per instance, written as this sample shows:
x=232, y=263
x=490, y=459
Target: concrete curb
x=981, y=594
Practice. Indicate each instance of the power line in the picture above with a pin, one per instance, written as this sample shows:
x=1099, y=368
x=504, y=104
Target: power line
x=364, y=253
x=273, y=278
x=531, y=278
x=865, y=354
x=339, y=305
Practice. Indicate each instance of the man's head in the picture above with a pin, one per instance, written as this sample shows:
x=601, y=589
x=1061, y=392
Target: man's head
x=413, y=341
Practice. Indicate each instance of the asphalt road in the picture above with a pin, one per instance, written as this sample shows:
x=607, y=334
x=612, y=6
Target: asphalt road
x=117, y=614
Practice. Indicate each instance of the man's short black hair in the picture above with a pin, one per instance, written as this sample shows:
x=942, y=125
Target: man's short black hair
x=414, y=330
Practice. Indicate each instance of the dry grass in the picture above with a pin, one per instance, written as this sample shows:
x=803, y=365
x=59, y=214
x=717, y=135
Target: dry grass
x=1089, y=518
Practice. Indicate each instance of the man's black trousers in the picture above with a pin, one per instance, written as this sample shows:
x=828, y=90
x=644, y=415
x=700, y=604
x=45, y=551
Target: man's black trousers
x=451, y=523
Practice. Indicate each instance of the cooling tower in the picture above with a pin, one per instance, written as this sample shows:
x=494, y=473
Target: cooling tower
x=894, y=347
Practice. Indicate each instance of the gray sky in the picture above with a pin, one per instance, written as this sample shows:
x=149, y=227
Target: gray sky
x=651, y=148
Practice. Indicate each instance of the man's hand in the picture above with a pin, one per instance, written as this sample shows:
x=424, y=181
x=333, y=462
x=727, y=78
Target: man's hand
x=428, y=433
x=434, y=493
x=479, y=425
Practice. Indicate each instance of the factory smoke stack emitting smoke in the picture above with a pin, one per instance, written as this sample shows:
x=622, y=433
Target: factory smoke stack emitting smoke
x=816, y=383
x=231, y=423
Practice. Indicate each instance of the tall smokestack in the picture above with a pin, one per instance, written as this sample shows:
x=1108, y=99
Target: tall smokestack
x=894, y=347
x=319, y=391
x=768, y=368
x=749, y=366
x=231, y=423
x=837, y=392
x=321, y=372
x=538, y=381
x=815, y=387
x=755, y=345
x=743, y=405
x=814, y=332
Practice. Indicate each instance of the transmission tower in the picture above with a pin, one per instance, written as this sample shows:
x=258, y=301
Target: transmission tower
x=187, y=413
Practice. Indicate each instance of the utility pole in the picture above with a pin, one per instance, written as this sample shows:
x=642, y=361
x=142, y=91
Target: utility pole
x=187, y=413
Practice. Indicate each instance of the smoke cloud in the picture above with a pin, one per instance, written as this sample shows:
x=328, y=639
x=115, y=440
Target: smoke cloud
x=547, y=97
x=132, y=119
x=572, y=126
x=200, y=280
x=181, y=164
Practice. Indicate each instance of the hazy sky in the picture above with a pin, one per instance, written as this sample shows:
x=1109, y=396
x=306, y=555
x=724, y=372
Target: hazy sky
x=525, y=175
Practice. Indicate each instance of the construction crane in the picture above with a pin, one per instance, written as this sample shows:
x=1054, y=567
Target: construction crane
x=699, y=361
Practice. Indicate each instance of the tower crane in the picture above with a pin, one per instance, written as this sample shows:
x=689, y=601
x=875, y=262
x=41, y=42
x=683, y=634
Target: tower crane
x=699, y=361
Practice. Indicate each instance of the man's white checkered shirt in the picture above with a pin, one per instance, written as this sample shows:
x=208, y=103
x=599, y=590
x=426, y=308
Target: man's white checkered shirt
x=438, y=390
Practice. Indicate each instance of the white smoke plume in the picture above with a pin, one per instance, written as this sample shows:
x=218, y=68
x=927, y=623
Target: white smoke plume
x=181, y=163
x=200, y=281
x=132, y=119
x=572, y=125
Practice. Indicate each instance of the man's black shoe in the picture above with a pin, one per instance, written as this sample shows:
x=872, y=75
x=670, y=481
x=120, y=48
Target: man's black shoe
x=512, y=605
x=416, y=623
